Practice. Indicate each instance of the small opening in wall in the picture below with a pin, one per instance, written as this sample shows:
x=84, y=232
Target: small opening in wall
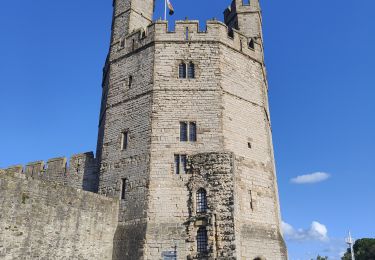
x=230, y=33
x=130, y=81
x=124, y=140
x=187, y=34
x=249, y=145
x=251, y=44
x=246, y=2
x=133, y=45
x=123, y=188
x=122, y=43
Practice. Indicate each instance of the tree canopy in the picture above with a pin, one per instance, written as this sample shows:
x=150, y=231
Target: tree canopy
x=364, y=249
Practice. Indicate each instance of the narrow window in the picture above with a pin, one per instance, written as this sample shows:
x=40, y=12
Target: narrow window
x=177, y=164
x=191, y=70
x=133, y=45
x=182, y=71
x=202, y=240
x=130, y=81
x=122, y=43
x=180, y=163
x=123, y=188
x=124, y=140
x=201, y=201
x=187, y=34
x=183, y=163
x=183, y=132
x=192, y=132
x=230, y=33
x=249, y=145
x=251, y=200
x=251, y=44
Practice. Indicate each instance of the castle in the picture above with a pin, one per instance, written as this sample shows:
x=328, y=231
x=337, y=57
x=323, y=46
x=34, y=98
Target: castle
x=184, y=167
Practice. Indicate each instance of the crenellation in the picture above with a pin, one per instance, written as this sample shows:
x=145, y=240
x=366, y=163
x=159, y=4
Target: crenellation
x=186, y=31
x=81, y=173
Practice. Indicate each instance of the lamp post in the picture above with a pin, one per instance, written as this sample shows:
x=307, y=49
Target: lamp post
x=350, y=242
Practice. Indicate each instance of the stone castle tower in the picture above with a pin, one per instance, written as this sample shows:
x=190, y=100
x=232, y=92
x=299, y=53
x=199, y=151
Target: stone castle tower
x=185, y=137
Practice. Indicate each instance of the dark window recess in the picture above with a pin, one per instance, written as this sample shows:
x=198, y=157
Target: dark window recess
x=133, y=45
x=183, y=163
x=122, y=43
x=249, y=145
x=251, y=44
x=230, y=33
x=191, y=70
x=124, y=140
x=188, y=131
x=183, y=132
x=192, y=132
x=177, y=164
x=187, y=34
x=180, y=163
x=201, y=201
x=251, y=200
x=202, y=240
x=124, y=183
x=182, y=70
x=130, y=81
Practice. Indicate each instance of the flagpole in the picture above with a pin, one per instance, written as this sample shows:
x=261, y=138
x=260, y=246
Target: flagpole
x=165, y=10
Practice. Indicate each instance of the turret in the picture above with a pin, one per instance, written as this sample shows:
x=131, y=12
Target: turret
x=130, y=15
x=245, y=16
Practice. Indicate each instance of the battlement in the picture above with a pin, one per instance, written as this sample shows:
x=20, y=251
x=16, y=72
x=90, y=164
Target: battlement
x=188, y=31
x=81, y=172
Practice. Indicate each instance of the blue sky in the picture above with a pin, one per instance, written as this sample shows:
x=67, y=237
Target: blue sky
x=321, y=66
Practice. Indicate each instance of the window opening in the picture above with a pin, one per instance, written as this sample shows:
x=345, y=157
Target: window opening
x=202, y=240
x=180, y=164
x=201, y=201
x=187, y=33
x=124, y=140
x=133, y=45
x=246, y=2
x=130, y=81
x=122, y=43
x=230, y=33
x=183, y=163
x=192, y=132
x=182, y=71
x=251, y=44
x=251, y=200
x=188, y=131
x=123, y=188
x=183, y=132
x=191, y=70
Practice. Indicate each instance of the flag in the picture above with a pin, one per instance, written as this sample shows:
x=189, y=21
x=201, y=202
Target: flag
x=170, y=7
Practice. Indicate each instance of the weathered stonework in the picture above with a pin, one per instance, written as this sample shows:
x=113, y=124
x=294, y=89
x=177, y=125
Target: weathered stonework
x=44, y=220
x=145, y=210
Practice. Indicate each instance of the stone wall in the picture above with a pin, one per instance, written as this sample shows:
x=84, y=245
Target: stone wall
x=80, y=172
x=45, y=220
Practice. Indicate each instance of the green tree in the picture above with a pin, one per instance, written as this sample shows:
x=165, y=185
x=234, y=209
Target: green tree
x=364, y=249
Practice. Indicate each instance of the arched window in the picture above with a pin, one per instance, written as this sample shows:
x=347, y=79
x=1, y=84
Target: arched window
x=202, y=240
x=182, y=70
x=201, y=201
x=191, y=70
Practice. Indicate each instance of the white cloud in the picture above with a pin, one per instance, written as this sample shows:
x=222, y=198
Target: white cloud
x=311, y=178
x=317, y=231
